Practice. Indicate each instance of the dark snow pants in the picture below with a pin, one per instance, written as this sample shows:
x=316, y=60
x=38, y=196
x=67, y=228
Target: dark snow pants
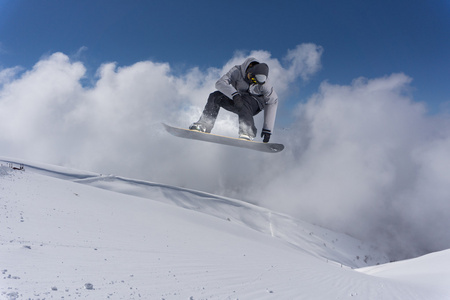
x=217, y=100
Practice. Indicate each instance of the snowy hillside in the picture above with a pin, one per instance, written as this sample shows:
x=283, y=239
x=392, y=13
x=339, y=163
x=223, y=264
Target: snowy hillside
x=74, y=234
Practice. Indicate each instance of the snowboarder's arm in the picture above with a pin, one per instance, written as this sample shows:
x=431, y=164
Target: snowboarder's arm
x=270, y=111
x=225, y=83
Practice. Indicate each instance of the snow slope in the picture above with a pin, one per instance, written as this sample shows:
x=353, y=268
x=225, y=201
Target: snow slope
x=73, y=234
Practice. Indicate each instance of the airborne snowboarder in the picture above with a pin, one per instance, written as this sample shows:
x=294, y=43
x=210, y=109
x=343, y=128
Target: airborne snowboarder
x=245, y=90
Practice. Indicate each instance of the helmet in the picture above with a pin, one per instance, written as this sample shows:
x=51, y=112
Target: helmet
x=258, y=73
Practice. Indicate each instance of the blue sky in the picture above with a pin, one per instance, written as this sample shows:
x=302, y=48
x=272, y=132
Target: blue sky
x=359, y=38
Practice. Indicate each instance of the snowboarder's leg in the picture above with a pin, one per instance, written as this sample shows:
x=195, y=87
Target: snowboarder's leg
x=217, y=100
x=246, y=122
x=211, y=110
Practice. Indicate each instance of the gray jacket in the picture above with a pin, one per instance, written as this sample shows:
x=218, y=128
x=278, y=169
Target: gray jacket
x=234, y=81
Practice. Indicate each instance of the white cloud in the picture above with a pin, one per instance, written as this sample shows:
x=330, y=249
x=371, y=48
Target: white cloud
x=363, y=158
x=7, y=75
x=304, y=60
x=48, y=115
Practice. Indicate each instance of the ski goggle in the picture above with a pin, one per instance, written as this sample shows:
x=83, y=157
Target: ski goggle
x=258, y=79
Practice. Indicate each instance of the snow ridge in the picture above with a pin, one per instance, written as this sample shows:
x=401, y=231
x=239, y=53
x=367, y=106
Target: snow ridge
x=73, y=234
x=311, y=239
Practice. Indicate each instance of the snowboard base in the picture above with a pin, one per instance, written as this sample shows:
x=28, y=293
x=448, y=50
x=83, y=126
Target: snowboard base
x=224, y=140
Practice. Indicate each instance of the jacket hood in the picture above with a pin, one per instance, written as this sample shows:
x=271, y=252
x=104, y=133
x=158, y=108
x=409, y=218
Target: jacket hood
x=244, y=66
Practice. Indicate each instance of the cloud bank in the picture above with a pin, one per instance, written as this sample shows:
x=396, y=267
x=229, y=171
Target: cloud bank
x=364, y=159
x=367, y=160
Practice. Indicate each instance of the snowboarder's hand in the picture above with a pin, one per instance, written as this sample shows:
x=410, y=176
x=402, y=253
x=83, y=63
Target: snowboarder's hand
x=238, y=103
x=265, y=134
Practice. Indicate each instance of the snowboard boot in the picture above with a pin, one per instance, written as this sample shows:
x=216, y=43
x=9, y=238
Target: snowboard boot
x=246, y=137
x=198, y=127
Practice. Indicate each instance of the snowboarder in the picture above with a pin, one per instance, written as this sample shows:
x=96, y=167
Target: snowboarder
x=246, y=91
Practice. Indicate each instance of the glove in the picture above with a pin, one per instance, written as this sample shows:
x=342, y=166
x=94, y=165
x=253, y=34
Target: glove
x=237, y=99
x=265, y=134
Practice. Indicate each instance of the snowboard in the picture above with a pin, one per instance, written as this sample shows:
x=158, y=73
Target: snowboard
x=224, y=140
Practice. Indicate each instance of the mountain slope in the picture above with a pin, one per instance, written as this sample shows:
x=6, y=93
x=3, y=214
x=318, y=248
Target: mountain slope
x=136, y=240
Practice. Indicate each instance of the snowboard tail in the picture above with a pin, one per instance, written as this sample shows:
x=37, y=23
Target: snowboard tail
x=224, y=140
